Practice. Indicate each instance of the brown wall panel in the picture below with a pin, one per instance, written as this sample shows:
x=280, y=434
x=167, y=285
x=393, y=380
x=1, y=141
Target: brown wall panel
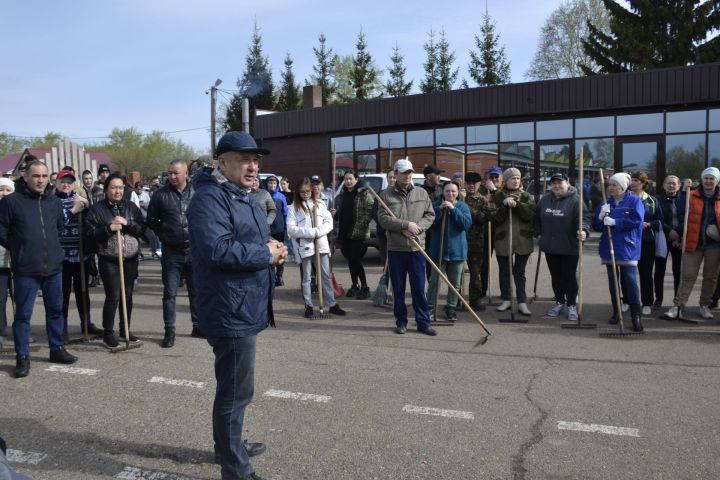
x=297, y=157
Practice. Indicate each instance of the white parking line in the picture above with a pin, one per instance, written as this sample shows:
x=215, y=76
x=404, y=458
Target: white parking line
x=133, y=473
x=593, y=428
x=303, y=397
x=179, y=383
x=18, y=456
x=74, y=370
x=438, y=412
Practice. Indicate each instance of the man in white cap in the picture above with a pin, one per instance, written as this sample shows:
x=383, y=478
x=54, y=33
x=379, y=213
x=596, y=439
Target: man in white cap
x=414, y=214
x=702, y=244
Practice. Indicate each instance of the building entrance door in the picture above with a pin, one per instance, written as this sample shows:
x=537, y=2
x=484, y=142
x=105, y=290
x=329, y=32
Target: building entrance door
x=642, y=153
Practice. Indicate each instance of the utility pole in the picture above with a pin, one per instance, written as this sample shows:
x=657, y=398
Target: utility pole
x=213, y=101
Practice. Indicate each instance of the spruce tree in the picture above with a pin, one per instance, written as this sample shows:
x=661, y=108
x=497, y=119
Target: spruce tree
x=654, y=34
x=323, y=69
x=429, y=83
x=396, y=85
x=364, y=75
x=445, y=58
x=489, y=66
x=289, y=92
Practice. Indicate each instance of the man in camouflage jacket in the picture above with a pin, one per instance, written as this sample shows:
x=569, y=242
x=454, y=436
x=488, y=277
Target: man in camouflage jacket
x=475, y=236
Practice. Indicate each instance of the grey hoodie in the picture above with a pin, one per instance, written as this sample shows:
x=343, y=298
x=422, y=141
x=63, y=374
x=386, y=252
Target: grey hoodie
x=556, y=221
x=267, y=204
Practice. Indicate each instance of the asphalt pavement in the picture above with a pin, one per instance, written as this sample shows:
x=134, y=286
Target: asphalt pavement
x=347, y=398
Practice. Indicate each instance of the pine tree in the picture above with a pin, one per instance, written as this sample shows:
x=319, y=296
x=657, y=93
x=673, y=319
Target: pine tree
x=323, y=69
x=489, y=66
x=364, y=75
x=256, y=84
x=445, y=58
x=396, y=85
x=289, y=92
x=429, y=83
x=654, y=34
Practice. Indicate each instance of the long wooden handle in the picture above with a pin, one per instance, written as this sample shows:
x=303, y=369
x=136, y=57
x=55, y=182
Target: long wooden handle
x=618, y=310
x=123, y=302
x=581, y=205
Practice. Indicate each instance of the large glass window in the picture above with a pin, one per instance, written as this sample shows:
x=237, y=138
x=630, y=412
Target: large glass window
x=685, y=155
x=420, y=138
x=516, y=132
x=421, y=157
x=366, y=163
x=342, y=144
x=715, y=119
x=691, y=121
x=482, y=134
x=387, y=158
x=519, y=155
x=449, y=159
x=714, y=149
x=597, y=152
x=595, y=127
x=450, y=136
x=552, y=129
x=392, y=140
x=480, y=158
x=366, y=142
x=642, y=124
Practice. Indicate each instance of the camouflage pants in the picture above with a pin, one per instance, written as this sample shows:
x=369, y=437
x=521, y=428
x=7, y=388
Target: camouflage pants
x=475, y=261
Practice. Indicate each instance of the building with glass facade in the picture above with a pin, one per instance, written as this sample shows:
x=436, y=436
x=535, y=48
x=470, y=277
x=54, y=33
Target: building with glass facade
x=661, y=121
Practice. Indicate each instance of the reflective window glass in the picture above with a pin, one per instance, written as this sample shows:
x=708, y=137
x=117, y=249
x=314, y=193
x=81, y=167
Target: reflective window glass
x=685, y=155
x=597, y=153
x=642, y=124
x=641, y=156
x=366, y=142
x=450, y=136
x=392, y=140
x=389, y=157
x=421, y=157
x=366, y=163
x=692, y=121
x=514, y=132
x=480, y=158
x=715, y=119
x=482, y=134
x=449, y=159
x=554, y=129
x=714, y=149
x=342, y=144
x=420, y=138
x=519, y=155
x=595, y=127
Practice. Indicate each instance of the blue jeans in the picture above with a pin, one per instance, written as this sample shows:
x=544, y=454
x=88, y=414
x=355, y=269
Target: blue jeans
x=26, y=288
x=176, y=262
x=235, y=376
x=628, y=279
x=402, y=265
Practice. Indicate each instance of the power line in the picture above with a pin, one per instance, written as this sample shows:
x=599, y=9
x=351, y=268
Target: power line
x=108, y=137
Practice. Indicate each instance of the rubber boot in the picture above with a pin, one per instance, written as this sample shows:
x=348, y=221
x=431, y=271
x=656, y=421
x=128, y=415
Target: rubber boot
x=635, y=315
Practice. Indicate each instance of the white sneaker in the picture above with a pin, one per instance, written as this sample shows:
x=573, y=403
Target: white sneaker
x=523, y=308
x=706, y=313
x=646, y=310
x=505, y=305
x=572, y=313
x=672, y=314
x=557, y=310
x=625, y=307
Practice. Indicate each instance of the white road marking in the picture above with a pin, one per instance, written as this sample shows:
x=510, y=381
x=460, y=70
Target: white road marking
x=179, y=383
x=303, y=397
x=133, y=473
x=18, y=456
x=439, y=412
x=74, y=370
x=593, y=428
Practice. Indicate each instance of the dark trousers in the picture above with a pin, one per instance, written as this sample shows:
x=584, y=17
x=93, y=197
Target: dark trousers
x=72, y=281
x=562, y=272
x=235, y=376
x=518, y=275
x=4, y=286
x=110, y=274
x=353, y=251
x=660, y=266
x=402, y=265
x=475, y=265
x=26, y=288
x=485, y=266
x=645, y=268
x=176, y=263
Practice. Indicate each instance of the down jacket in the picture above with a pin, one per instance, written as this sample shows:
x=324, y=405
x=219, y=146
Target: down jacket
x=627, y=232
x=303, y=229
x=234, y=281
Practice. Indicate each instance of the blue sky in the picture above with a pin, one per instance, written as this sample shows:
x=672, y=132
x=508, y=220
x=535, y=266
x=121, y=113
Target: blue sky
x=82, y=67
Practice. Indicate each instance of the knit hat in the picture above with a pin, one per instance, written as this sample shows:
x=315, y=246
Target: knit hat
x=6, y=182
x=622, y=179
x=511, y=172
x=711, y=171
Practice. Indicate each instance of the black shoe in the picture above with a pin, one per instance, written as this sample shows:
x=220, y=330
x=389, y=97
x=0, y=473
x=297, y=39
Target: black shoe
x=110, y=340
x=252, y=476
x=254, y=449
x=450, y=314
x=363, y=294
x=62, y=356
x=93, y=330
x=613, y=320
x=635, y=317
x=352, y=291
x=22, y=367
x=169, y=338
x=336, y=310
x=713, y=305
x=400, y=330
x=279, y=282
x=309, y=312
x=132, y=337
x=196, y=332
x=93, y=282
x=428, y=331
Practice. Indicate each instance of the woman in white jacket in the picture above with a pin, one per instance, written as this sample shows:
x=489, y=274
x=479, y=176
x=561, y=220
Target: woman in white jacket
x=304, y=228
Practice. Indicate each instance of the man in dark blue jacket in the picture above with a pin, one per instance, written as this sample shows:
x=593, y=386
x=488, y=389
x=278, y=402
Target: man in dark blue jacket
x=232, y=255
x=31, y=221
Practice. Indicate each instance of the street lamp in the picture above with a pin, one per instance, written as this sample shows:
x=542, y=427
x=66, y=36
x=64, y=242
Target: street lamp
x=213, y=100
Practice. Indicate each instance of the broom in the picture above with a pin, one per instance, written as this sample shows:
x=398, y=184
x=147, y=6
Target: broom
x=380, y=295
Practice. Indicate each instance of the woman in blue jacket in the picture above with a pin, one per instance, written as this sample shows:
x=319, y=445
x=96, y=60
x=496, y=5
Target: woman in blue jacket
x=458, y=220
x=624, y=213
